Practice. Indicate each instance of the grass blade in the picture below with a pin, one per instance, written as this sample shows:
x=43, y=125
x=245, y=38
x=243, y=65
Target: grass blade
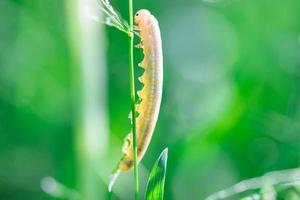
x=156, y=182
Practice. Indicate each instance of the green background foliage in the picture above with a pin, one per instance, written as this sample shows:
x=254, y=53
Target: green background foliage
x=231, y=100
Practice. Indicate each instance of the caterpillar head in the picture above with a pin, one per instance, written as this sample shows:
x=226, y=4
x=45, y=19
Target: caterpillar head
x=141, y=16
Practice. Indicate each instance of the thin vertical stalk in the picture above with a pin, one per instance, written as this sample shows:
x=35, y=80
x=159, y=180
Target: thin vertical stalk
x=132, y=89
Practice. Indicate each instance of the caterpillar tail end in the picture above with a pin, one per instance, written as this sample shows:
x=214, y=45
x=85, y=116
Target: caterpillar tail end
x=113, y=179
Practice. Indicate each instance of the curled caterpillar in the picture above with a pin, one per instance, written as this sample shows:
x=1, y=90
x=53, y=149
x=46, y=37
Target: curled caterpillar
x=151, y=92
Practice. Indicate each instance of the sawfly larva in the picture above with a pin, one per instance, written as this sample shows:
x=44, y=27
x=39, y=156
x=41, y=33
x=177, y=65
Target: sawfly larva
x=150, y=94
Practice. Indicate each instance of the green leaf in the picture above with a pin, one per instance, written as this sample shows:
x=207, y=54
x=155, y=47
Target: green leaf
x=156, y=182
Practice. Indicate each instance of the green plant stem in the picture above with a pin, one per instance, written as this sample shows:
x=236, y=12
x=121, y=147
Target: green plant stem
x=132, y=86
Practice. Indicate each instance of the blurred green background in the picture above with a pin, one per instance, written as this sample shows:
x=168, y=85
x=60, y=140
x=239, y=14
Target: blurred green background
x=230, y=109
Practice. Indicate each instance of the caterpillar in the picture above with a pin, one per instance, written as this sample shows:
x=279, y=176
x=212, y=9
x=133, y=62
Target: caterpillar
x=151, y=93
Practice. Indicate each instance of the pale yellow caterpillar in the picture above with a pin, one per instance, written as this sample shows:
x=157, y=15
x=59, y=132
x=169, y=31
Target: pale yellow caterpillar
x=151, y=92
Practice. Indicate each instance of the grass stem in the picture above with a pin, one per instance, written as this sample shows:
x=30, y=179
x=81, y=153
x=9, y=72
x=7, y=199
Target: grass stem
x=132, y=89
